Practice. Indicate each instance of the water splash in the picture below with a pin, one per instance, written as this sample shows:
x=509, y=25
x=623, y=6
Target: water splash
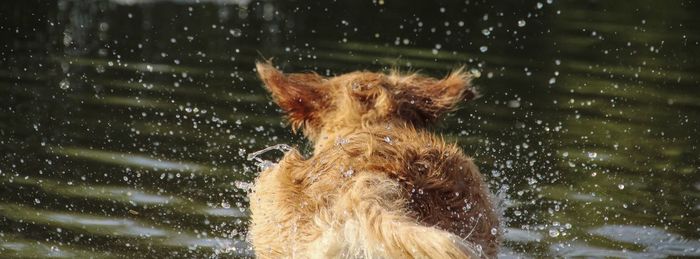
x=264, y=164
x=227, y=247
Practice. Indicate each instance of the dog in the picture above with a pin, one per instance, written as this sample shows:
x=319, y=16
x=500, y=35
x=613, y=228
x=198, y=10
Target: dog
x=378, y=184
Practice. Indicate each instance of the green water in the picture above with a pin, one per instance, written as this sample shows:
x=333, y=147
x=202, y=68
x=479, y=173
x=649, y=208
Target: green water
x=124, y=127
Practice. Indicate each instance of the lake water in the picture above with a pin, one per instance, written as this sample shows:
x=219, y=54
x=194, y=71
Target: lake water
x=125, y=124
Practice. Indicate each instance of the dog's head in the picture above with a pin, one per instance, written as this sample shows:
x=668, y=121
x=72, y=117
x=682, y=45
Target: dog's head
x=316, y=103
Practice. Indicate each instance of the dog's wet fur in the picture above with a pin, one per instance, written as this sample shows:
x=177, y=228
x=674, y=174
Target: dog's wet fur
x=378, y=185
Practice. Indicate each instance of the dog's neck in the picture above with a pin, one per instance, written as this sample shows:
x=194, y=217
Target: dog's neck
x=329, y=137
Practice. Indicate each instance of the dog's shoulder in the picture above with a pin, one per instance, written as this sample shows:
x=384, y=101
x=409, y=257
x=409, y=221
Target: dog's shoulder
x=393, y=148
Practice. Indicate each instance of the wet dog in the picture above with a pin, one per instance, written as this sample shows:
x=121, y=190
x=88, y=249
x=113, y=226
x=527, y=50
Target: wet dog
x=378, y=185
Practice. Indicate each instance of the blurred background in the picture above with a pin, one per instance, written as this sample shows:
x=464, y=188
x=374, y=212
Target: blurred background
x=125, y=124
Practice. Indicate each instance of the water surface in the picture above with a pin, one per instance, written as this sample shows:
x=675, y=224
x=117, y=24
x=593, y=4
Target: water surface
x=125, y=125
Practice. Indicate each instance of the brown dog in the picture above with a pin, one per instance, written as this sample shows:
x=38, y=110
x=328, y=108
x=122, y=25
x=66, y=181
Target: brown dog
x=378, y=185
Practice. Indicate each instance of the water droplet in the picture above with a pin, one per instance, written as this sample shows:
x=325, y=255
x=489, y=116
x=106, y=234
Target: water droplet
x=225, y=205
x=494, y=231
x=486, y=32
x=483, y=48
x=514, y=104
x=521, y=23
x=475, y=72
x=264, y=164
x=387, y=139
x=621, y=186
x=592, y=155
x=235, y=32
x=539, y=5
x=64, y=84
x=348, y=173
x=243, y=185
x=553, y=232
x=341, y=141
x=531, y=181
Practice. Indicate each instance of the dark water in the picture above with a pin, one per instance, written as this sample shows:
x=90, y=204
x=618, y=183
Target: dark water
x=124, y=126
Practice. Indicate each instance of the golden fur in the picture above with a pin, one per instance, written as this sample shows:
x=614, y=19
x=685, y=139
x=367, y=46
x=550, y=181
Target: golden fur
x=378, y=185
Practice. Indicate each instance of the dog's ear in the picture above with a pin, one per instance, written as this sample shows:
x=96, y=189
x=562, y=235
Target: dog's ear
x=432, y=98
x=298, y=94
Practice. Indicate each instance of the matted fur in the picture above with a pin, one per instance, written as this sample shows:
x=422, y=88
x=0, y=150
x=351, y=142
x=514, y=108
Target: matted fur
x=378, y=185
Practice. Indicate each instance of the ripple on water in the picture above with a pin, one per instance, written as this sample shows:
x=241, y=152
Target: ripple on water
x=101, y=225
x=142, y=197
x=507, y=253
x=13, y=246
x=578, y=249
x=521, y=236
x=119, y=227
x=655, y=240
x=226, y=212
x=123, y=227
x=126, y=159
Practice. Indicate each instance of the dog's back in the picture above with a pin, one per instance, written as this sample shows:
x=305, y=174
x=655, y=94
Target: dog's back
x=373, y=190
